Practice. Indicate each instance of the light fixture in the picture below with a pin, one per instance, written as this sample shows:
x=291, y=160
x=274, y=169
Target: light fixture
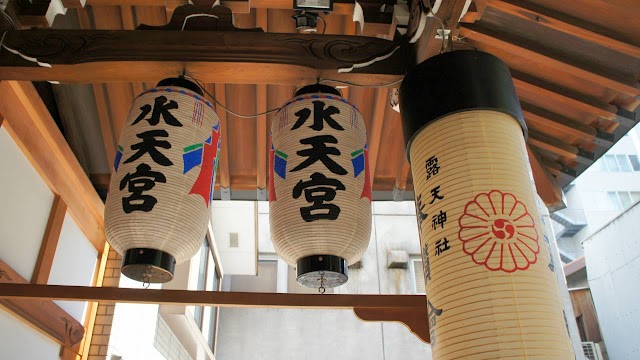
x=313, y=5
x=486, y=268
x=319, y=186
x=157, y=210
x=306, y=21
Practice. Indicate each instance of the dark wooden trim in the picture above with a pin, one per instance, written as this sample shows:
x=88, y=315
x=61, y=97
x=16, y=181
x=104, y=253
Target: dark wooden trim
x=49, y=242
x=208, y=298
x=43, y=314
x=220, y=57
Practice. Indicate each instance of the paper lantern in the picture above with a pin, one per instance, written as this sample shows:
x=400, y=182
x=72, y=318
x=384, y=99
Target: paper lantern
x=491, y=292
x=319, y=188
x=157, y=210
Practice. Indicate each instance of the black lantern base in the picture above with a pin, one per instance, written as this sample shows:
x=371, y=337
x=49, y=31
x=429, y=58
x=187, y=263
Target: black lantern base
x=183, y=83
x=322, y=271
x=148, y=265
x=318, y=89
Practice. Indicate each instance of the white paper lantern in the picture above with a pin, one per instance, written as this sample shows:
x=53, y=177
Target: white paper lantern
x=319, y=188
x=490, y=279
x=157, y=210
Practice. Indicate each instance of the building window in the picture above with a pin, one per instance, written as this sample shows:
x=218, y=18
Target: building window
x=622, y=200
x=418, y=275
x=206, y=317
x=618, y=163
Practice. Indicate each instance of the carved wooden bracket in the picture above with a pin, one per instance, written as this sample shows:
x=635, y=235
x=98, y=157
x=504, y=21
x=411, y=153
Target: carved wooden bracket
x=416, y=319
x=43, y=314
x=192, y=18
x=100, y=55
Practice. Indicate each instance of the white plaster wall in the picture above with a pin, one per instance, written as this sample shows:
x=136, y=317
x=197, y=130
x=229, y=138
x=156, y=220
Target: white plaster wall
x=18, y=341
x=235, y=217
x=613, y=267
x=25, y=204
x=73, y=264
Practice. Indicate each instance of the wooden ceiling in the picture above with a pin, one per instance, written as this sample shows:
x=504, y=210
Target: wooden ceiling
x=576, y=67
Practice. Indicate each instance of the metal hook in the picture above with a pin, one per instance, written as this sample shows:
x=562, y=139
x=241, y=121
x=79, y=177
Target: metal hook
x=322, y=289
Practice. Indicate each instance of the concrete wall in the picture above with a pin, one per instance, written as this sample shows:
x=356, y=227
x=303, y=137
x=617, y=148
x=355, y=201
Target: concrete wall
x=589, y=193
x=251, y=334
x=613, y=266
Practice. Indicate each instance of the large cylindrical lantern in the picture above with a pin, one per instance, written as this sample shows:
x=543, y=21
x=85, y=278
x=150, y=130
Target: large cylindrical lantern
x=319, y=188
x=157, y=210
x=491, y=292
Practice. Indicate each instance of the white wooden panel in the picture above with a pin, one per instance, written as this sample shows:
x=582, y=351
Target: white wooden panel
x=25, y=204
x=18, y=341
x=73, y=264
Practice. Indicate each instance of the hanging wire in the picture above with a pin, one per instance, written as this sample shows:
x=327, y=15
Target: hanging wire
x=324, y=24
x=359, y=85
x=202, y=87
x=444, y=38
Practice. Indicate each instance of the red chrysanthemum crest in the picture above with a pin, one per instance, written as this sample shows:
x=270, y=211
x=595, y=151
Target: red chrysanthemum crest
x=498, y=232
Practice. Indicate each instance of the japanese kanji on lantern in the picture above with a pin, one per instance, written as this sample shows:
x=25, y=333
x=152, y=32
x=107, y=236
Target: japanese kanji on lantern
x=157, y=210
x=319, y=186
x=491, y=293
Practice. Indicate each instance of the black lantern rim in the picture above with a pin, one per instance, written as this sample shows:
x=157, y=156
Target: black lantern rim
x=148, y=265
x=322, y=271
x=183, y=83
x=318, y=89
x=454, y=82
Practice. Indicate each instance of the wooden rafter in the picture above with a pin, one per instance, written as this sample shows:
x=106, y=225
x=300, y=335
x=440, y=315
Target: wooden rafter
x=223, y=165
x=528, y=87
x=375, y=129
x=547, y=187
x=428, y=46
x=43, y=314
x=545, y=118
x=262, y=135
x=564, y=23
x=31, y=126
x=478, y=36
x=49, y=243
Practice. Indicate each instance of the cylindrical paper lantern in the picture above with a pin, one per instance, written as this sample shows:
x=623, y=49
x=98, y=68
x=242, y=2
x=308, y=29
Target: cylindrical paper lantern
x=490, y=291
x=319, y=188
x=157, y=211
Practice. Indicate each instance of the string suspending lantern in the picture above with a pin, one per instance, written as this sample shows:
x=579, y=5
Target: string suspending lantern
x=490, y=282
x=157, y=211
x=319, y=186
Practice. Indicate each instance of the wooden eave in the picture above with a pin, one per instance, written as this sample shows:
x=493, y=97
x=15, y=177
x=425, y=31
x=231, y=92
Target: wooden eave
x=576, y=69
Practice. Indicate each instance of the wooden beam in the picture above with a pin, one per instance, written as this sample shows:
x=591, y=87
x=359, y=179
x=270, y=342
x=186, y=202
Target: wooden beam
x=219, y=57
x=547, y=187
x=209, y=298
x=415, y=319
x=29, y=123
x=479, y=35
x=375, y=130
x=43, y=314
x=561, y=172
x=49, y=242
x=223, y=166
x=262, y=134
x=566, y=24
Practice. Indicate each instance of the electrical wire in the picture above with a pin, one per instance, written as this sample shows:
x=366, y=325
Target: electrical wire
x=444, y=37
x=324, y=24
x=201, y=86
x=359, y=85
